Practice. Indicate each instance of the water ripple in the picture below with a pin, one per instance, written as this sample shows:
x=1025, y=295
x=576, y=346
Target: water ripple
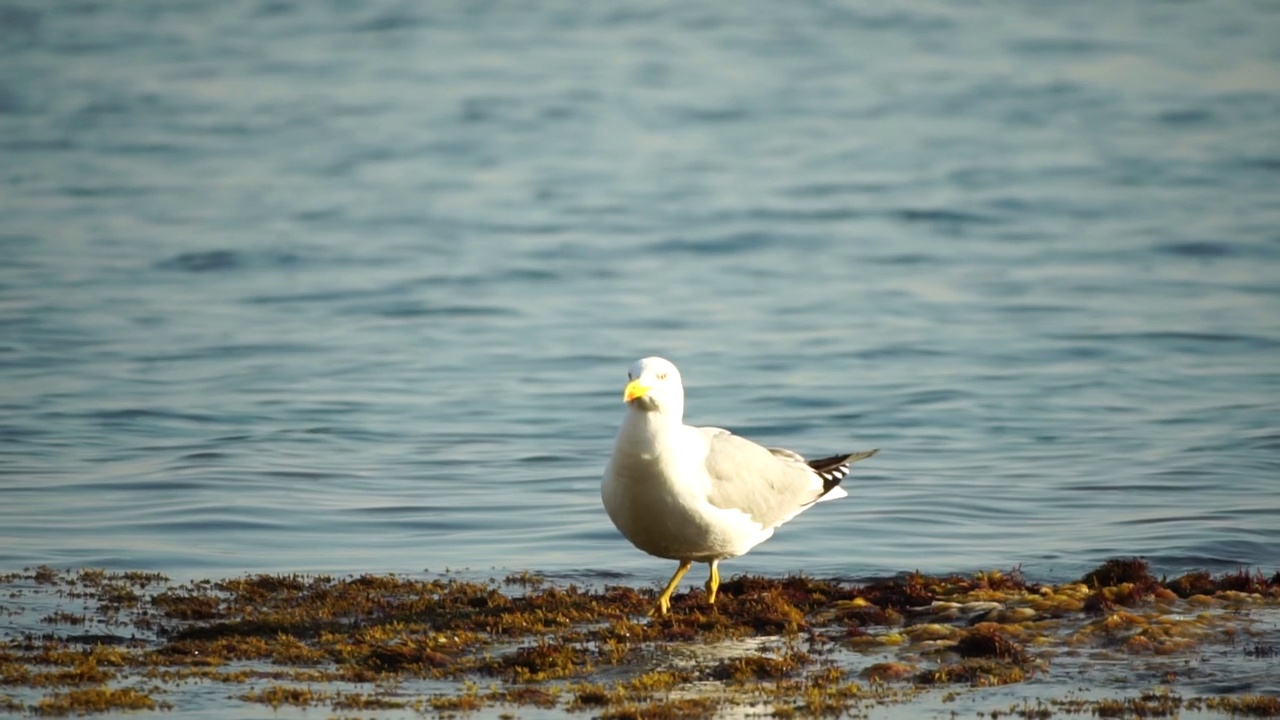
x=353, y=289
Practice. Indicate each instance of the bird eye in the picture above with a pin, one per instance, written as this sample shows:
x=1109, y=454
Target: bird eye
x=662, y=376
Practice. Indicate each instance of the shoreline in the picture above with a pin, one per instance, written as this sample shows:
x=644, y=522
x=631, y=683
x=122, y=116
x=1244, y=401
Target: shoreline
x=1118, y=642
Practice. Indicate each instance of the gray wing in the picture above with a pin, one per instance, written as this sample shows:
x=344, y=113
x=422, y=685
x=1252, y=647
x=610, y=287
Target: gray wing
x=769, y=484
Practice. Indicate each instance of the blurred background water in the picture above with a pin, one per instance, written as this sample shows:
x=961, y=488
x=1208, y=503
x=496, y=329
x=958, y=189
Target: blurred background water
x=353, y=287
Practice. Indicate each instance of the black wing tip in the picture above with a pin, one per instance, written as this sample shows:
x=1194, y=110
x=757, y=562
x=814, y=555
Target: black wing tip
x=821, y=464
x=835, y=468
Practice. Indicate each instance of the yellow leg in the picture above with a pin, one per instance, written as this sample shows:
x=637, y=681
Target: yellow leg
x=713, y=581
x=664, y=600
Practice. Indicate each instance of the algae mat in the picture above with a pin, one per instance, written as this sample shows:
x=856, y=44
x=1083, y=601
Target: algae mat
x=1116, y=643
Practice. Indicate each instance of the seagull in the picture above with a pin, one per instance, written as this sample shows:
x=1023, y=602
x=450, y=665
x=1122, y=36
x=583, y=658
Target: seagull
x=702, y=494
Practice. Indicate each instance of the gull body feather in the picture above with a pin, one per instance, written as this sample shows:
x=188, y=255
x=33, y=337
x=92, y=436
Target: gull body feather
x=702, y=494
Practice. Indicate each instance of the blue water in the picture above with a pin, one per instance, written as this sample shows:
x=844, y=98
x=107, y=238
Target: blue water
x=346, y=287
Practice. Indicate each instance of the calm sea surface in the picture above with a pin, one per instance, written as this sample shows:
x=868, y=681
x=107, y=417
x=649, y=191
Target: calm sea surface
x=353, y=287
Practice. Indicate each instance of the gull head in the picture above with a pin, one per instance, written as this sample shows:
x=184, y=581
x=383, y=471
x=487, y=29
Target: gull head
x=653, y=385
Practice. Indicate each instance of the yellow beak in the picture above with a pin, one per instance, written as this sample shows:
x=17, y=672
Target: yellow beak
x=634, y=390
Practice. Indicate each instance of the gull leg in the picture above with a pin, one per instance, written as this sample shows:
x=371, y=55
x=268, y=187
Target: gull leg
x=713, y=581
x=664, y=600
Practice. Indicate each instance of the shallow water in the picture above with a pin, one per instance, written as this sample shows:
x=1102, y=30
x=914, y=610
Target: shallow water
x=294, y=287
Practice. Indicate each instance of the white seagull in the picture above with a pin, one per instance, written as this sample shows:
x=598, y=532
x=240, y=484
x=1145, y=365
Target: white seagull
x=702, y=494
